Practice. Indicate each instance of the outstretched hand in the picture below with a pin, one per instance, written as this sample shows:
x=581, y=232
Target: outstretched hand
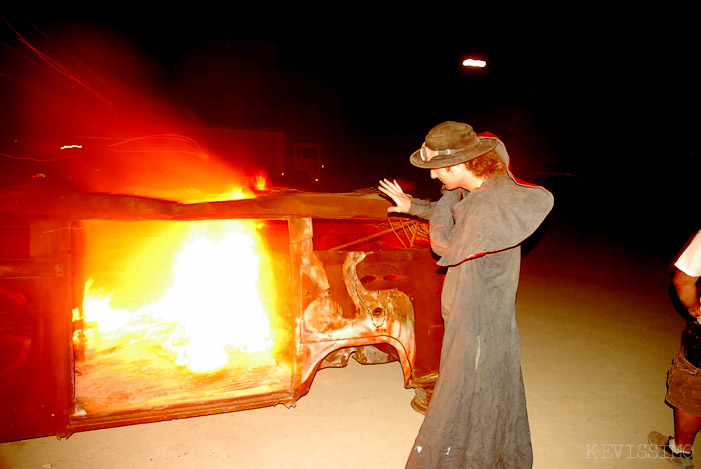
x=393, y=190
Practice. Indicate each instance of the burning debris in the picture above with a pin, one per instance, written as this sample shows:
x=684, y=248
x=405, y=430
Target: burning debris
x=154, y=279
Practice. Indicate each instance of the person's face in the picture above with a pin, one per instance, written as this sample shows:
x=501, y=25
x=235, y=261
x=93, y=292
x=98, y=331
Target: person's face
x=447, y=176
x=453, y=177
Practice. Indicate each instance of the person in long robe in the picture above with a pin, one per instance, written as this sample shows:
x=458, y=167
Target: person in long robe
x=477, y=416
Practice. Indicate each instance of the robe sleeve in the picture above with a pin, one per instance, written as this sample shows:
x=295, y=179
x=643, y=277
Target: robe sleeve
x=419, y=208
x=423, y=208
x=442, y=221
x=487, y=221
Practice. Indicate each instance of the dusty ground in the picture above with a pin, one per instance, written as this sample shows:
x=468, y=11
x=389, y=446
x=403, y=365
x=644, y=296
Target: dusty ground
x=598, y=332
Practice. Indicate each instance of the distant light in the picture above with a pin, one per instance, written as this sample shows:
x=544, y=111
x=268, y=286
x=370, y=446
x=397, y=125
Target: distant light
x=67, y=147
x=474, y=63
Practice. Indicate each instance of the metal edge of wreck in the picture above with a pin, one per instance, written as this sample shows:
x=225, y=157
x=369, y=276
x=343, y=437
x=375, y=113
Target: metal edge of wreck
x=50, y=201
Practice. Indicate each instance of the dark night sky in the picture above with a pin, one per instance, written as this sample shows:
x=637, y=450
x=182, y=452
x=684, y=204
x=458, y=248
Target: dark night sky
x=603, y=95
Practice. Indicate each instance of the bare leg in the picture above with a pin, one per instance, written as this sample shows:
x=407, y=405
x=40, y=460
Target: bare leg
x=685, y=428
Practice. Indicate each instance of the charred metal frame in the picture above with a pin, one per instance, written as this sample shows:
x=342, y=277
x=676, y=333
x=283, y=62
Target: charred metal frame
x=345, y=302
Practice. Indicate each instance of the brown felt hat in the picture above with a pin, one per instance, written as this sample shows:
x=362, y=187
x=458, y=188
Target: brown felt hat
x=455, y=143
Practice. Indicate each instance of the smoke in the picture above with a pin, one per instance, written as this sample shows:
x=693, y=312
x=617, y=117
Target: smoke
x=90, y=108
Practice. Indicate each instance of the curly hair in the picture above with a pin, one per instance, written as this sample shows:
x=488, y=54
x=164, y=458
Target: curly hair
x=487, y=166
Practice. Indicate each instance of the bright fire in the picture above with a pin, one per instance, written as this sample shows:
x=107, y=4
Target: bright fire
x=198, y=291
x=259, y=183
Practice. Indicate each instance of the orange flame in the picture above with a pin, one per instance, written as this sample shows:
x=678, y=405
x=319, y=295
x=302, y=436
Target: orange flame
x=260, y=181
x=213, y=294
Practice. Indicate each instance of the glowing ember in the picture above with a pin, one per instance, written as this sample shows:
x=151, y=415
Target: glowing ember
x=212, y=295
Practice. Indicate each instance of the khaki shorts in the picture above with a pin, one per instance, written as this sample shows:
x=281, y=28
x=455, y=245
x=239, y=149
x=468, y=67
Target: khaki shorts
x=684, y=385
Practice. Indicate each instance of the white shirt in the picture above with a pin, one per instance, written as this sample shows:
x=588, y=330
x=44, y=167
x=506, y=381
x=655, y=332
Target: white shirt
x=689, y=261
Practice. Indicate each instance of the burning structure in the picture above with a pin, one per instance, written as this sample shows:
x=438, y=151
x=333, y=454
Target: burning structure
x=132, y=290
x=118, y=309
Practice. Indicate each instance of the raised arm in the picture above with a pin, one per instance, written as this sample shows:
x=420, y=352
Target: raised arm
x=394, y=191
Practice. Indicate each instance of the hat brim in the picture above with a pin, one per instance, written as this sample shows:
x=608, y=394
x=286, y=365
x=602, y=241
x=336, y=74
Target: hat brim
x=486, y=144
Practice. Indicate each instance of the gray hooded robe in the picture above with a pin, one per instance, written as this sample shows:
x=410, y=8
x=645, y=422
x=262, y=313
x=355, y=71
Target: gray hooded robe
x=477, y=415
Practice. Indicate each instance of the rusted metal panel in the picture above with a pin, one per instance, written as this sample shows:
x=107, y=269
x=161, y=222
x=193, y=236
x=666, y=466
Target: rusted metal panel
x=378, y=298
x=79, y=423
x=413, y=271
x=64, y=203
x=31, y=269
x=35, y=333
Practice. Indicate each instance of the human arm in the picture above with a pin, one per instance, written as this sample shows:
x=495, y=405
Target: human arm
x=688, y=271
x=442, y=221
x=392, y=189
x=404, y=203
x=440, y=213
x=685, y=285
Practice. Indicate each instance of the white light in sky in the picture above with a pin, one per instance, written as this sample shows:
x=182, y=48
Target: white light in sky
x=474, y=63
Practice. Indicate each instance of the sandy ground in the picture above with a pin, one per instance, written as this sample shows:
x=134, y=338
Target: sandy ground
x=598, y=332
